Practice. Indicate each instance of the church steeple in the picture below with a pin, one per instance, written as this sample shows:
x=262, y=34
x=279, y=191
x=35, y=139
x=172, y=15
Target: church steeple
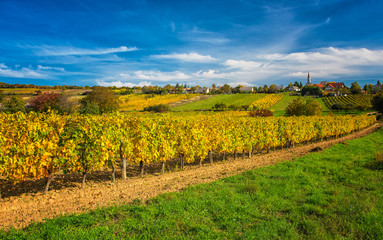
x=309, y=83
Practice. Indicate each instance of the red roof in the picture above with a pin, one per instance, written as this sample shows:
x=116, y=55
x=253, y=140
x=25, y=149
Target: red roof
x=335, y=85
x=319, y=85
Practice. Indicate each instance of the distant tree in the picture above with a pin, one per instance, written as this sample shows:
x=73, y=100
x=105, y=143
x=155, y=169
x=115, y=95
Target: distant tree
x=265, y=88
x=272, y=88
x=226, y=88
x=220, y=106
x=355, y=88
x=193, y=89
x=377, y=102
x=362, y=107
x=105, y=100
x=368, y=88
x=311, y=90
x=214, y=86
x=157, y=108
x=337, y=106
x=14, y=104
x=1, y=96
x=45, y=101
x=179, y=89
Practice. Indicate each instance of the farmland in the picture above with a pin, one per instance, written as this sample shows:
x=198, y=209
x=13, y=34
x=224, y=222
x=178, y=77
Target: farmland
x=254, y=204
x=228, y=99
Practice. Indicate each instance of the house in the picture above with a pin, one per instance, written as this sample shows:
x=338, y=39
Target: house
x=294, y=88
x=334, y=86
x=246, y=89
x=203, y=90
x=321, y=86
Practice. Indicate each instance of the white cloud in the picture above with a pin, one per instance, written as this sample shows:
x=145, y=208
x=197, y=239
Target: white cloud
x=187, y=57
x=161, y=76
x=24, y=72
x=64, y=51
x=246, y=65
x=121, y=84
x=60, y=69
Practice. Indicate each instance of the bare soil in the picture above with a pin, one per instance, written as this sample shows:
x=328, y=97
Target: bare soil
x=25, y=203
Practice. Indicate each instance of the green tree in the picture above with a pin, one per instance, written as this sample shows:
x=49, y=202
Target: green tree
x=377, y=102
x=226, y=88
x=14, y=104
x=296, y=107
x=337, y=106
x=311, y=90
x=355, y=88
x=105, y=100
x=299, y=107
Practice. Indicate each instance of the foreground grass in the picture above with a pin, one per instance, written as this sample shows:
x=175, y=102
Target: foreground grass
x=228, y=99
x=332, y=194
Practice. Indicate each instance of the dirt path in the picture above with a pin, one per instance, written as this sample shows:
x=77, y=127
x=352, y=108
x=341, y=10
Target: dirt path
x=19, y=211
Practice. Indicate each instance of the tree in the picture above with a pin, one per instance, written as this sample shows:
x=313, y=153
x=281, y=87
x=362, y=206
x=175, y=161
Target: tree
x=15, y=104
x=272, y=88
x=313, y=108
x=157, y=108
x=299, y=107
x=220, y=106
x=296, y=107
x=226, y=88
x=355, y=88
x=45, y=101
x=337, y=106
x=377, y=102
x=100, y=98
x=311, y=90
x=1, y=96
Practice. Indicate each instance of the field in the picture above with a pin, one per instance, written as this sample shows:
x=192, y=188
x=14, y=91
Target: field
x=228, y=99
x=333, y=194
x=137, y=102
x=350, y=99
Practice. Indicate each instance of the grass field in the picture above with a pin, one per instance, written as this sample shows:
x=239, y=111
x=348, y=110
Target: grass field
x=279, y=108
x=333, y=194
x=228, y=99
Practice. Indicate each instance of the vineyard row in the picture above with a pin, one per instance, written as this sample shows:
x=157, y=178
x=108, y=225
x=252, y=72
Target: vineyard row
x=36, y=145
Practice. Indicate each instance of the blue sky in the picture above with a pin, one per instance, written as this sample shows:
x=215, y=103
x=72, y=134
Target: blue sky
x=139, y=42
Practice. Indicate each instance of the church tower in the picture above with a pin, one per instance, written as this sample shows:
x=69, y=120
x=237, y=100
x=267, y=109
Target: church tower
x=309, y=83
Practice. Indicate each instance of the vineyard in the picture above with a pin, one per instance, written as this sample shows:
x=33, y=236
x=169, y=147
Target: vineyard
x=267, y=101
x=349, y=99
x=140, y=101
x=38, y=145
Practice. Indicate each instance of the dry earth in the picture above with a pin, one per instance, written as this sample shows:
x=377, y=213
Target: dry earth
x=19, y=210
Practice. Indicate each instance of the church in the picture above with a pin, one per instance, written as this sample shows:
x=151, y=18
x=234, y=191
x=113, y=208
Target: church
x=309, y=83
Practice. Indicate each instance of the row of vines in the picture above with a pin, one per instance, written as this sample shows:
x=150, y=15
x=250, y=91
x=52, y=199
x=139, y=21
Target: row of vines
x=349, y=99
x=37, y=145
x=267, y=101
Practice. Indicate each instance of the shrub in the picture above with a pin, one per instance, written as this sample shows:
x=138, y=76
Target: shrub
x=45, y=101
x=261, y=113
x=157, y=108
x=337, y=106
x=220, y=106
x=104, y=98
x=14, y=104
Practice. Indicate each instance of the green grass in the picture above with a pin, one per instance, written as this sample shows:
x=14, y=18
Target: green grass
x=228, y=99
x=279, y=108
x=334, y=194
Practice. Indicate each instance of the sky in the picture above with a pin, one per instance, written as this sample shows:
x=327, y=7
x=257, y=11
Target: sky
x=159, y=42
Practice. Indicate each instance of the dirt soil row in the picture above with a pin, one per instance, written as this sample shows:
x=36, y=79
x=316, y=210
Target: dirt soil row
x=20, y=210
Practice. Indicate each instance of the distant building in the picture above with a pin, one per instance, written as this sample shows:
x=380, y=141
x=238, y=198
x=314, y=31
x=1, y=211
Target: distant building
x=294, y=88
x=203, y=90
x=377, y=88
x=246, y=89
x=333, y=86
